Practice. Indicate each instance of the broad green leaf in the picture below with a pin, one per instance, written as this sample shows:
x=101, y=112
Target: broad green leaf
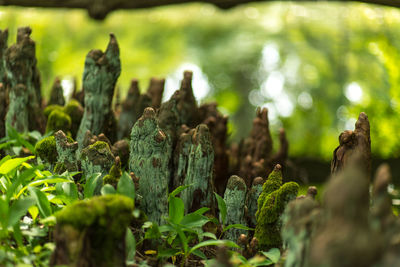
x=152, y=231
x=184, y=240
x=11, y=164
x=107, y=189
x=273, y=254
x=130, y=245
x=176, y=209
x=199, y=254
x=41, y=201
x=5, y=159
x=209, y=235
x=4, y=213
x=13, y=134
x=92, y=183
x=167, y=252
x=34, y=212
x=126, y=186
x=194, y=220
x=207, y=243
x=17, y=234
x=222, y=208
x=201, y=211
x=178, y=190
x=70, y=190
x=19, y=208
x=26, y=175
x=51, y=180
x=237, y=226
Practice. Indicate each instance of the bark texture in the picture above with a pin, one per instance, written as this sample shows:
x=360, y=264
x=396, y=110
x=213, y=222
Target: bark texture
x=99, y=77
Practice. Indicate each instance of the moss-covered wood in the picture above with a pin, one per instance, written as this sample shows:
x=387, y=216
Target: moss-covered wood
x=56, y=94
x=67, y=159
x=92, y=233
x=271, y=204
x=96, y=158
x=99, y=77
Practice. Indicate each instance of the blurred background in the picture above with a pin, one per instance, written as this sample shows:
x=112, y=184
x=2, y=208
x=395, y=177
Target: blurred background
x=314, y=66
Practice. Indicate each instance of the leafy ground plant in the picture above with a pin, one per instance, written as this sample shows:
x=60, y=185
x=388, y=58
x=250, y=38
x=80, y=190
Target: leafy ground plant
x=182, y=235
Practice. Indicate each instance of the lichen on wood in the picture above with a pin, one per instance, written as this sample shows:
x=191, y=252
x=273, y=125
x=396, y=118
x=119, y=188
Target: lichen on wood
x=92, y=232
x=99, y=77
x=18, y=113
x=252, y=200
x=20, y=64
x=194, y=161
x=67, y=159
x=96, y=158
x=151, y=151
x=235, y=199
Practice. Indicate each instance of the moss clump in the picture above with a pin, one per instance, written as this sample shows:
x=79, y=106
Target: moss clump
x=46, y=149
x=58, y=120
x=271, y=205
x=110, y=212
x=115, y=173
x=75, y=110
x=50, y=108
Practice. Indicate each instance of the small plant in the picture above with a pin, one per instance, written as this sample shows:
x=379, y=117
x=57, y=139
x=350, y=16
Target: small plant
x=182, y=235
x=222, y=217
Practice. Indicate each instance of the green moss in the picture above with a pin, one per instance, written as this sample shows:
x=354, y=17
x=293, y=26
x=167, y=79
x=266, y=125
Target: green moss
x=75, y=110
x=271, y=204
x=113, y=177
x=58, y=120
x=111, y=212
x=47, y=111
x=46, y=149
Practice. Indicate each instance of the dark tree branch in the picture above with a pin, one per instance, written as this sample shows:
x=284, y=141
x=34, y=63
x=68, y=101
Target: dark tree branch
x=98, y=9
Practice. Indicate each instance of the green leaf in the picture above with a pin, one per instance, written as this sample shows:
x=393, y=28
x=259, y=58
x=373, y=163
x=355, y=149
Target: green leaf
x=4, y=213
x=11, y=164
x=222, y=208
x=130, y=245
x=19, y=208
x=5, y=159
x=201, y=211
x=152, y=231
x=92, y=183
x=41, y=201
x=207, y=243
x=193, y=220
x=178, y=190
x=13, y=134
x=209, y=235
x=273, y=254
x=237, y=226
x=107, y=189
x=176, y=209
x=70, y=190
x=199, y=254
x=26, y=175
x=167, y=252
x=126, y=186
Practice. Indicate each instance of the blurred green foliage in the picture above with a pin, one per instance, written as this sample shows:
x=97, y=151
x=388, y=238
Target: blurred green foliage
x=315, y=66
